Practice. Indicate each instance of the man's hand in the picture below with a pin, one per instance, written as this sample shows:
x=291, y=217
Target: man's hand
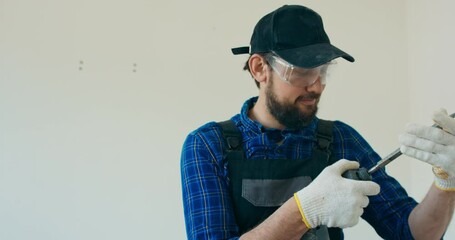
x=434, y=146
x=335, y=201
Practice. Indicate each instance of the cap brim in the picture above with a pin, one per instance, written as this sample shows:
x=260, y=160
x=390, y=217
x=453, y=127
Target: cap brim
x=240, y=50
x=313, y=55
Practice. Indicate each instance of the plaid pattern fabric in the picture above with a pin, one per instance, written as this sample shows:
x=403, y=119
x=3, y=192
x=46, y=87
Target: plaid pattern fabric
x=205, y=183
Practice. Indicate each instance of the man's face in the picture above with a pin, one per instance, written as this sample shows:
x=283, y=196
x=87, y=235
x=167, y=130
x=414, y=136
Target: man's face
x=292, y=107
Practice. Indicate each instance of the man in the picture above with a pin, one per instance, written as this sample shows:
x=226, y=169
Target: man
x=274, y=171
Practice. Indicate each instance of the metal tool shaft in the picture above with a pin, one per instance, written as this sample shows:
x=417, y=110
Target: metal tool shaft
x=385, y=160
x=392, y=156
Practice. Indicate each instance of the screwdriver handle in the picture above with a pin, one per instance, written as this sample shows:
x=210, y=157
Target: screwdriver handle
x=358, y=174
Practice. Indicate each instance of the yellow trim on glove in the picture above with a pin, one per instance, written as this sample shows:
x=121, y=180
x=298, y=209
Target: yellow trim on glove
x=440, y=173
x=444, y=189
x=297, y=200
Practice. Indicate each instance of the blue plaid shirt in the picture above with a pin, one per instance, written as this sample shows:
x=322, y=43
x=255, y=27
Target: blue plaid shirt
x=205, y=185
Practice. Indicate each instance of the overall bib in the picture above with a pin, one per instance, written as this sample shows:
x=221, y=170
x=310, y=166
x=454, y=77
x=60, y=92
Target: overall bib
x=259, y=187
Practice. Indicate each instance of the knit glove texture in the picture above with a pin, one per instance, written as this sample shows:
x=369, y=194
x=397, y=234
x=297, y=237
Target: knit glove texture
x=435, y=146
x=335, y=201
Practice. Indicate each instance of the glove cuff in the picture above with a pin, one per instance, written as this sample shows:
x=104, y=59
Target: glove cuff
x=442, y=179
x=310, y=208
x=445, y=184
x=297, y=200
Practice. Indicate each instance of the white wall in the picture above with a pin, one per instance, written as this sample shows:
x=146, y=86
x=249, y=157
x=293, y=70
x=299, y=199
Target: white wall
x=96, y=98
x=430, y=35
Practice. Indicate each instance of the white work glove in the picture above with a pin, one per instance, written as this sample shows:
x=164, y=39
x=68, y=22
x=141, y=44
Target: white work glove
x=335, y=201
x=434, y=146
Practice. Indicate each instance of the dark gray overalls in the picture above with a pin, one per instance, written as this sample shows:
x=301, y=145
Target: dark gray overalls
x=259, y=187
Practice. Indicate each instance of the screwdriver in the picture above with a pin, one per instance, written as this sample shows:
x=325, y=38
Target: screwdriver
x=365, y=175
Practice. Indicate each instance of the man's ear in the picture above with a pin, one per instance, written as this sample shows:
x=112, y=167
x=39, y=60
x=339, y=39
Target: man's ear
x=258, y=67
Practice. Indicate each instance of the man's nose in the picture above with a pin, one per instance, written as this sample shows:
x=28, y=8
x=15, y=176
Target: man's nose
x=317, y=86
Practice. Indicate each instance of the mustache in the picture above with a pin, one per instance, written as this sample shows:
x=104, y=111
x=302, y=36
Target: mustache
x=308, y=96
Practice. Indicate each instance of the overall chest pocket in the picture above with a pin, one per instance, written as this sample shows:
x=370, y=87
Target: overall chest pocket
x=272, y=192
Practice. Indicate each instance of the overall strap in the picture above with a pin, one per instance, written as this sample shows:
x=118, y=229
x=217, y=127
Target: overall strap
x=233, y=140
x=324, y=136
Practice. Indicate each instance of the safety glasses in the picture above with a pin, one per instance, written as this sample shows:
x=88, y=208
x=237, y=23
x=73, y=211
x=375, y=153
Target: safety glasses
x=297, y=76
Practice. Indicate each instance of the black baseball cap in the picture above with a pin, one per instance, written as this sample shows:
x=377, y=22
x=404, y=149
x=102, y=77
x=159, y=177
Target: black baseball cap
x=296, y=34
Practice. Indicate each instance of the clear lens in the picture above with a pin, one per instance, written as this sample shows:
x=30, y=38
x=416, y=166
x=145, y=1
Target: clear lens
x=297, y=76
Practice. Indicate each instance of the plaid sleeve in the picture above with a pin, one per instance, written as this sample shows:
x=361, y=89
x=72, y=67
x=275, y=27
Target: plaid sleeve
x=207, y=206
x=388, y=211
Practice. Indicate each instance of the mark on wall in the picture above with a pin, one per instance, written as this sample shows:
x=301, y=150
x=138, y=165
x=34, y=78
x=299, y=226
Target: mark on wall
x=81, y=63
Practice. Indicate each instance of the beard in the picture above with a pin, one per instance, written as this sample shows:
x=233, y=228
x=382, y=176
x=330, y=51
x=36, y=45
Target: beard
x=289, y=114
